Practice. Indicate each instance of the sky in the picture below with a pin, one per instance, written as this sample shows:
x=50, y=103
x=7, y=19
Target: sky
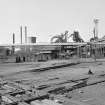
x=47, y=18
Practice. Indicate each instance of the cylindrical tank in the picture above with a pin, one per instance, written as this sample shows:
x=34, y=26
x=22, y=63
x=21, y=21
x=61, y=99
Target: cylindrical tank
x=31, y=39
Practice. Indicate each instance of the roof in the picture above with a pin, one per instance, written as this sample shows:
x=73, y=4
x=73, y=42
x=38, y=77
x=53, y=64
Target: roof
x=43, y=44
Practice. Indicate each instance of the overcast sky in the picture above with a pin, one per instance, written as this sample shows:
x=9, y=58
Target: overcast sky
x=46, y=18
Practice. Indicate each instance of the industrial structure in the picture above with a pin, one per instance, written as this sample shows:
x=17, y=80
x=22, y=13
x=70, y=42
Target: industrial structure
x=96, y=21
x=48, y=51
x=60, y=49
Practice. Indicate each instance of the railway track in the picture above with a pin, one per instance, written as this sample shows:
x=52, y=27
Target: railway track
x=60, y=88
x=45, y=90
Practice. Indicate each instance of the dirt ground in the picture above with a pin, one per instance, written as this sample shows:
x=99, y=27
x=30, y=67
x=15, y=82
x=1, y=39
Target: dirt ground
x=90, y=95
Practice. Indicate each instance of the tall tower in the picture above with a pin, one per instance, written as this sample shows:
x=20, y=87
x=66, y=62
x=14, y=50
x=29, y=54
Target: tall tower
x=13, y=47
x=13, y=38
x=96, y=21
x=25, y=34
x=21, y=34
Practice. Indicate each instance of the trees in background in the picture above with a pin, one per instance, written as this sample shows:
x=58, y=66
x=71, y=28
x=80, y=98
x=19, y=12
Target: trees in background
x=93, y=39
x=64, y=37
x=77, y=37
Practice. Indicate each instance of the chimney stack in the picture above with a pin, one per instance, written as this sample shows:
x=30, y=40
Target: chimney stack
x=13, y=47
x=96, y=21
x=13, y=38
x=25, y=34
x=21, y=34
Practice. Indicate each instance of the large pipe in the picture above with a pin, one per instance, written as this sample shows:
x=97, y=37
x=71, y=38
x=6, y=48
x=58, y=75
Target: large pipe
x=21, y=34
x=25, y=34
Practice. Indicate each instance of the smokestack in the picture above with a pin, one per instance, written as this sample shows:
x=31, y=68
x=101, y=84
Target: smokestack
x=96, y=21
x=21, y=34
x=13, y=38
x=25, y=34
x=13, y=48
